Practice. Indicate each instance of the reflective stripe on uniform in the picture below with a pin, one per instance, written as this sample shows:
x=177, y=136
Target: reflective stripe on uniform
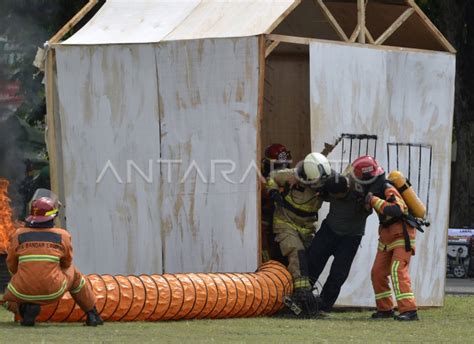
x=79, y=287
x=405, y=296
x=304, y=207
x=38, y=258
x=302, y=282
x=378, y=204
x=398, y=243
x=302, y=230
x=394, y=244
x=383, y=295
x=26, y=297
x=395, y=282
x=271, y=184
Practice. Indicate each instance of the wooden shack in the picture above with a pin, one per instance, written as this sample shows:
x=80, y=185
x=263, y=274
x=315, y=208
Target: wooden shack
x=158, y=112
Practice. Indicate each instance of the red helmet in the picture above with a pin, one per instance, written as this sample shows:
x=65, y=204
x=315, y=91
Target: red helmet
x=44, y=207
x=366, y=168
x=277, y=153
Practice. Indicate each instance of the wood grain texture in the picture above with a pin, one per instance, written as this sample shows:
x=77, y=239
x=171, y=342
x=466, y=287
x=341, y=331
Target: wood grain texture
x=286, y=118
x=109, y=113
x=120, y=22
x=208, y=92
x=401, y=97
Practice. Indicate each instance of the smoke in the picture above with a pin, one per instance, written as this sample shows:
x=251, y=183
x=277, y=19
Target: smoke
x=12, y=159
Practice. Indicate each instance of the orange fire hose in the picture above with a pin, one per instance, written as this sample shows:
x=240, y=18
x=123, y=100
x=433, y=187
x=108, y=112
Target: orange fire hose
x=180, y=296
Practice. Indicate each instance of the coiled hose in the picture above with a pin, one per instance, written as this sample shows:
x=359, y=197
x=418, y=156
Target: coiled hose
x=180, y=296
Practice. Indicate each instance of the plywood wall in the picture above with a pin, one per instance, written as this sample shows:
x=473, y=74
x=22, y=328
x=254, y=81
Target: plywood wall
x=208, y=108
x=109, y=115
x=402, y=97
x=286, y=117
x=135, y=118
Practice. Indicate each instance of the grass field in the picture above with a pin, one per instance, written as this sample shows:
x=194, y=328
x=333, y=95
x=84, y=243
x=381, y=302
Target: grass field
x=450, y=324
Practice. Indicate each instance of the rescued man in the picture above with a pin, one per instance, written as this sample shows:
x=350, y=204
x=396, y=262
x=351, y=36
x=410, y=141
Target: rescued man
x=295, y=216
x=40, y=261
x=339, y=236
x=396, y=242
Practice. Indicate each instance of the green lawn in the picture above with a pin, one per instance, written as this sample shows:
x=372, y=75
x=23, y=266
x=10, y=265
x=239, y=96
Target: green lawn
x=451, y=324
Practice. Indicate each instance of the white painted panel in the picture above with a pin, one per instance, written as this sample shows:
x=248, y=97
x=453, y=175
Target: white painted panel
x=232, y=18
x=404, y=97
x=208, y=93
x=144, y=21
x=133, y=22
x=109, y=113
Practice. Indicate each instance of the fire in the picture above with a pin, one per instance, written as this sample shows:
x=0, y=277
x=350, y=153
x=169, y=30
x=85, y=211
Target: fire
x=7, y=226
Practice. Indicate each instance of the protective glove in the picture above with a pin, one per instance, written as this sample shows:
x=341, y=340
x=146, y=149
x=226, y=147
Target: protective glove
x=276, y=197
x=368, y=201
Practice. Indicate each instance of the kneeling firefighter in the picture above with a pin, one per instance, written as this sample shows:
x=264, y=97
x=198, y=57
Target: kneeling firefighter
x=296, y=212
x=396, y=241
x=40, y=261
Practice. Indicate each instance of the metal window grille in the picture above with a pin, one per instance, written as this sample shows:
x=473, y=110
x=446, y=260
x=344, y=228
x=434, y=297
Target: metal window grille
x=414, y=160
x=356, y=145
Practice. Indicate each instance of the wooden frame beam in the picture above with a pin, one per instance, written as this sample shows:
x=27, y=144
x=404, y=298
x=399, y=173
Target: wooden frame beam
x=427, y=22
x=73, y=22
x=355, y=34
x=290, y=39
x=340, y=32
x=394, y=27
x=308, y=41
x=270, y=47
x=361, y=20
x=369, y=36
x=52, y=119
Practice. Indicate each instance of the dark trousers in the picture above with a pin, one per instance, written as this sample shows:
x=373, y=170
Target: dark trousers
x=325, y=244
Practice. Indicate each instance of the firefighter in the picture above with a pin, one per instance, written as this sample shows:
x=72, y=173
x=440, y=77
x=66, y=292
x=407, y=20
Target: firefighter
x=339, y=236
x=40, y=261
x=294, y=221
x=277, y=157
x=396, y=242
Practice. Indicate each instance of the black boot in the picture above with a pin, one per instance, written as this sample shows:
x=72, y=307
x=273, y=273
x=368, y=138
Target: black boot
x=407, y=316
x=93, y=318
x=383, y=314
x=28, y=313
x=305, y=303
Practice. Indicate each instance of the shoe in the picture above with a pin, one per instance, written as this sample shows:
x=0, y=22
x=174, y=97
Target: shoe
x=93, y=318
x=322, y=314
x=383, y=314
x=407, y=316
x=28, y=313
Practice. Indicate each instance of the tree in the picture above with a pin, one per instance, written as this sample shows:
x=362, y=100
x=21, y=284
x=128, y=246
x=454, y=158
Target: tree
x=456, y=21
x=28, y=24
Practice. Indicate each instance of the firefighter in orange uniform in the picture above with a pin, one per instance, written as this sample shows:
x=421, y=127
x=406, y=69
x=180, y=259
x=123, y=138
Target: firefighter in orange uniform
x=396, y=242
x=40, y=261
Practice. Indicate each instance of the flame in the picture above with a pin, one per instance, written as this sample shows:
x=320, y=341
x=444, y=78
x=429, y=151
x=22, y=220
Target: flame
x=7, y=226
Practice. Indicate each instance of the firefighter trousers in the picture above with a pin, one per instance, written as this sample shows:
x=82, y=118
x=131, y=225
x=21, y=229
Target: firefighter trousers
x=394, y=263
x=293, y=247
x=77, y=286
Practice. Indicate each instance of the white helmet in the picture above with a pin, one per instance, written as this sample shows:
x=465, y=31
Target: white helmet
x=315, y=168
